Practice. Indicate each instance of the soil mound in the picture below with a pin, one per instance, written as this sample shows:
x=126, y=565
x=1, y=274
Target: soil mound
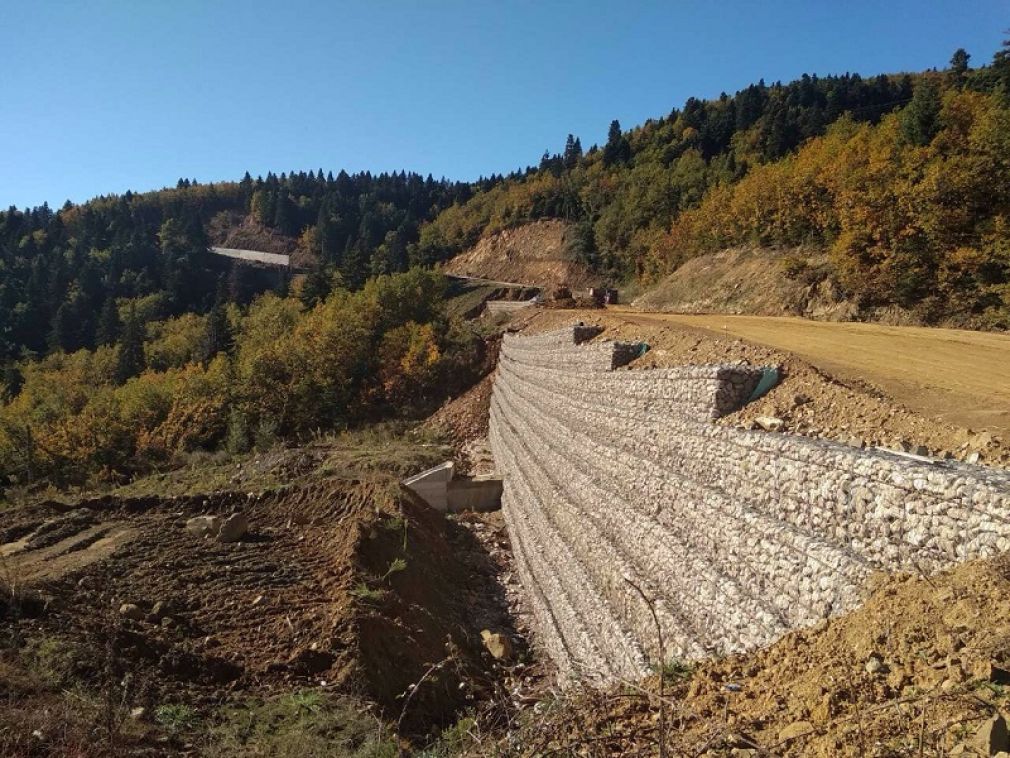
x=916, y=671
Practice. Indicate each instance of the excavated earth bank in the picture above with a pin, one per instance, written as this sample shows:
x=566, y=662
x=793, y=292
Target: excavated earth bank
x=338, y=584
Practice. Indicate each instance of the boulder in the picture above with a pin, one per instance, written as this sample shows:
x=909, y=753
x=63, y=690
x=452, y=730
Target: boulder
x=131, y=611
x=204, y=526
x=233, y=528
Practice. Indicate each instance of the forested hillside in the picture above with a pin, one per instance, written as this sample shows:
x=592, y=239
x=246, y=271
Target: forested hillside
x=234, y=379
x=904, y=179
x=124, y=342
x=69, y=279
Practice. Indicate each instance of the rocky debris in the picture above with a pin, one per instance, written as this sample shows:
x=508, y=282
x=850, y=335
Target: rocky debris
x=228, y=529
x=497, y=644
x=770, y=423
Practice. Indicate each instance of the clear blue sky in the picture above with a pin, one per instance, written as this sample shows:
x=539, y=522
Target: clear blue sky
x=100, y=97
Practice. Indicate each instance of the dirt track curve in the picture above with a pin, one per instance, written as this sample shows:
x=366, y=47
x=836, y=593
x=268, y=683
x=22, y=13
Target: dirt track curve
x=962, y=377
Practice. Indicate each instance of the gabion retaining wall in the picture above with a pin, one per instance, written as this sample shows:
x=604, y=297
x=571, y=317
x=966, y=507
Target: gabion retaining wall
x=735, y=536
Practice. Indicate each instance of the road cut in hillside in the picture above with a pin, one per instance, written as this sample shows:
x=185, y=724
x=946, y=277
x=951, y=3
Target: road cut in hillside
x=959, y=376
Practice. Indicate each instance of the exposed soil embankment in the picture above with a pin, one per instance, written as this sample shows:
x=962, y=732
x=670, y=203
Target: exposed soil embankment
x=916, y=671
x=534, y=254
x=337, y=584
x=752, y=280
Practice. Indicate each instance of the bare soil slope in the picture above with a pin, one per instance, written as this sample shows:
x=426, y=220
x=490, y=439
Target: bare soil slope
x=533, y=254
x=751, y=280
x=338, y=584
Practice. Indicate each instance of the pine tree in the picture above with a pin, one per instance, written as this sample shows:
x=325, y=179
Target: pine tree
x=573, y=151
x=316, y=286
x=217, y=335
x=130, y=359
x=107, y=331
x=284, y=214
x=63, y=334
x=618, y=149
x=920, y=121
x=959, y=61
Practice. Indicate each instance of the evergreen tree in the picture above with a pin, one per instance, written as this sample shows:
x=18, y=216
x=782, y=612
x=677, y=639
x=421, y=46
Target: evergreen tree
x=1001, y=66
x=573, y=151
x=130, y=359
x=284, y=214
x=316, y=286
x=920, y=121
x=107, y=331
x=63, y=334
x=618, y=149
x=217, y=335
x=959, y=61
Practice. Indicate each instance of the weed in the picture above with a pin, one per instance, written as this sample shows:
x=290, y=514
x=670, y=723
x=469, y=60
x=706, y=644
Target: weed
x=306, y=700
x=675, y=670
x=454, y=740
x=176, y=718
x=52, y=661
x=395, y=567
x=368, y=595
x=303, y=723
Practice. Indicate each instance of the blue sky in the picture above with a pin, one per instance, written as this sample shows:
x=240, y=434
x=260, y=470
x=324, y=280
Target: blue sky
x=105, y=96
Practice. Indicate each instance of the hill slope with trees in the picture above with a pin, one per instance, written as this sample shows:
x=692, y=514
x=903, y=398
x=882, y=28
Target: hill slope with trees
x=903, y=179
x=124, y=341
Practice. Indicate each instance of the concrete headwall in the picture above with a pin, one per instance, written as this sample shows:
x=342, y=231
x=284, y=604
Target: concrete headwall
x=614, y=477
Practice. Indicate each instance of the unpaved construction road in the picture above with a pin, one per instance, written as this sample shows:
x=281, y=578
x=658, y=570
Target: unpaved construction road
x=962, y=377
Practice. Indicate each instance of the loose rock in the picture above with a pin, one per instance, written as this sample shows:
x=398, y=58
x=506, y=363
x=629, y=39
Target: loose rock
x=796, y=729
x=770, y=423
x=992, y=736
x=233, y=528
x=497, y=644
x=131, y=611
x=204, y=526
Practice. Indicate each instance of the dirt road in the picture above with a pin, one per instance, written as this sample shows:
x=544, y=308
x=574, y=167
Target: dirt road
x=962, y=377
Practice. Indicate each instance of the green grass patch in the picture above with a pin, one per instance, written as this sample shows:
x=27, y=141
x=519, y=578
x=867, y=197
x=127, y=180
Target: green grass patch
x=367, y=594
x=675, y=670
x=177, y=718
x=305, y=723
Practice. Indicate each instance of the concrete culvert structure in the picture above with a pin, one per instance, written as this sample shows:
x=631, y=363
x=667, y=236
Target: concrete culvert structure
x=443, y=491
